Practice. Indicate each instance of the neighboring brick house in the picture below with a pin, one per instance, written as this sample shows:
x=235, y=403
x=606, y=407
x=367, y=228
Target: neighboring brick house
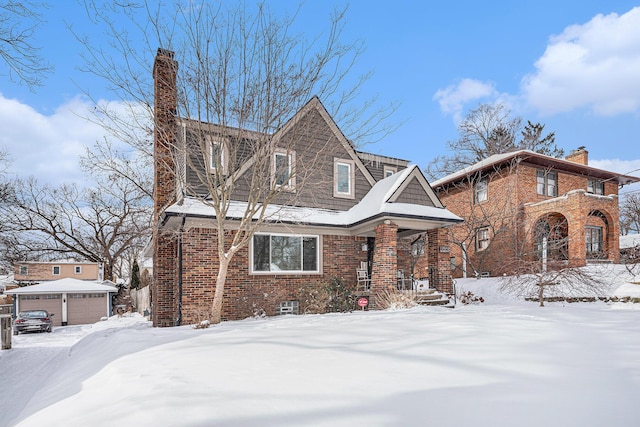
x=357, y=208
x=36, y=271
x=523, y=207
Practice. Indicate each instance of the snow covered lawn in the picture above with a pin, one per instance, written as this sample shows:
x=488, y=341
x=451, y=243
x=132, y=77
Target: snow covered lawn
x=501, y=363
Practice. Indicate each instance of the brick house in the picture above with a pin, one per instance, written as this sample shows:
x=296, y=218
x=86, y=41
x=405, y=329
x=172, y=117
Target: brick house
x=524, y=206
x=354, y=208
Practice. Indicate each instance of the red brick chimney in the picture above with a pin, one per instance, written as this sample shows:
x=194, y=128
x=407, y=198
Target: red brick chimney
x=579, y=155
x=164, y=292
x=164, y=135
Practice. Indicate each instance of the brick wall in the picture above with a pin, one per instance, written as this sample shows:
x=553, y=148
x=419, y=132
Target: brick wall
x=249, y=294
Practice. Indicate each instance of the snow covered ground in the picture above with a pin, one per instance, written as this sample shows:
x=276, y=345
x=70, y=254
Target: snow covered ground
x=505, y=362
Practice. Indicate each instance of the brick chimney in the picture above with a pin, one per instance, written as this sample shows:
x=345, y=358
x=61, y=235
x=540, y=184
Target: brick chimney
x=579, y=155
x=164, y=293
x=164, y=134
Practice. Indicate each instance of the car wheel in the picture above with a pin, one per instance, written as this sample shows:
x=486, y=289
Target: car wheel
x=49, y=329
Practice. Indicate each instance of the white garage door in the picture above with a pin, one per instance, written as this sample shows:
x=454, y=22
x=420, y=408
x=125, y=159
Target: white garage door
x=86, y=308
x=50, y=302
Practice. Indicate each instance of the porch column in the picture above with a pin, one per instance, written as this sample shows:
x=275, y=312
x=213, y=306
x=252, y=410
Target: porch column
x=439, y=260
x=385, y=261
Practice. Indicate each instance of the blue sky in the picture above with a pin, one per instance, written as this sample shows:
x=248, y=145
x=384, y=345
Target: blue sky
x=572, y=66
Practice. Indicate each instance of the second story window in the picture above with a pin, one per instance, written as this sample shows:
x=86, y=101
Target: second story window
x=595, y=186
x=217, y=157
x=388, y=171
x=78, y=269
x=547, y=183
x=55, y=270
x=283, y=169
x=343, y=177
x=24, y=270
x=480, y=191
x=482, y=239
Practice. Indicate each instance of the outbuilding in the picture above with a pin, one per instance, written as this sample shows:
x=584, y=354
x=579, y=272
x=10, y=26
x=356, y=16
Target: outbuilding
x=73, y=301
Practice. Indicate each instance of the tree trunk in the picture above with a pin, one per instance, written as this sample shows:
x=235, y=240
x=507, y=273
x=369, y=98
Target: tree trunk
x=216, y=307
x=541, y=294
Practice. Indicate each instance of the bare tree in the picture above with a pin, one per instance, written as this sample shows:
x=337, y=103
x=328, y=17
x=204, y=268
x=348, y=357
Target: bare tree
x=533, y=281
x=543, y=267
x=490, y=229
x=243, y=75
x=98, y=225
x=18, y=22
x=488, y=130
x=630, y=213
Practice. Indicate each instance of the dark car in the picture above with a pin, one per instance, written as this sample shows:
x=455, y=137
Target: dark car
x=33, y=320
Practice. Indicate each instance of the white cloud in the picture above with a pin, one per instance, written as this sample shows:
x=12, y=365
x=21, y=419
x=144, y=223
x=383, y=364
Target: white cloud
x=625, y=167
x=47, y=147
x=595, y=65
x=453, y=98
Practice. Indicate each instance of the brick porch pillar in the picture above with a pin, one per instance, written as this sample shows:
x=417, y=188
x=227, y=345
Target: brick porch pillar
x=385, y=261
x=439, y=260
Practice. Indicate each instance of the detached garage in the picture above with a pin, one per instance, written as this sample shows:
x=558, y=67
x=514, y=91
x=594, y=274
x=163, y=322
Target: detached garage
x=73, y=301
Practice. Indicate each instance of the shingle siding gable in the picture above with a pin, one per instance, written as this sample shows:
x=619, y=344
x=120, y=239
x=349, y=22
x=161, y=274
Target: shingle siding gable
x=415, y=194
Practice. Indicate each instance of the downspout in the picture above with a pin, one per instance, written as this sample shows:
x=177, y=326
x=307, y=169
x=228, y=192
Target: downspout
x=179, y=320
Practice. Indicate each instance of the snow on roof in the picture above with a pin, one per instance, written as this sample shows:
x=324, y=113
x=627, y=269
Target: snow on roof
x=66, y=285
x=499, y=158
x=496, y=158
x=374, y=203
x=629, y=241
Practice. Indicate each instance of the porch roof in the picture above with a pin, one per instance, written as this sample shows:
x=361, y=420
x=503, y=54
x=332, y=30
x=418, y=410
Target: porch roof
x=374, y=208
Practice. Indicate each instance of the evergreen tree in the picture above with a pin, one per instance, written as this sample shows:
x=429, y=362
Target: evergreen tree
x=135, y=276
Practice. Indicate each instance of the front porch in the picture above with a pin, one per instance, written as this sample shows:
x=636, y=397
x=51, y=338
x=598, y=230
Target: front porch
x=386, y=269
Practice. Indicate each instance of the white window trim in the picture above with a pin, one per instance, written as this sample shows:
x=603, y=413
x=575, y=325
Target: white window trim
x=291, y=184
x=77, y=269
x=212, y=142
x=351, y=194
x=26, y=270
x=388, y=171
x=288, y=272
x=53, y=270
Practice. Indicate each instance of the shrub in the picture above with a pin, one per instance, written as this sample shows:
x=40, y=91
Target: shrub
x=469, y=298
x=341, y=296
x=390, y=298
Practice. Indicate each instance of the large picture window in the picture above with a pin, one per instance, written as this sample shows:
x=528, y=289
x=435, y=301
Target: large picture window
x=285, y=253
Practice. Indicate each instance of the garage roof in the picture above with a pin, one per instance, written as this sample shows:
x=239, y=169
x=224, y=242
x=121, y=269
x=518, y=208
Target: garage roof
x=67, y=285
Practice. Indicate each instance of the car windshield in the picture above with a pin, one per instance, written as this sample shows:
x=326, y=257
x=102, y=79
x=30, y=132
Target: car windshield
x=33, y=314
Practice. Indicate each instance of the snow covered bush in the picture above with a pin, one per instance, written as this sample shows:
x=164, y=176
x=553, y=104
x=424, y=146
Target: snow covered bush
x=391, y=298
